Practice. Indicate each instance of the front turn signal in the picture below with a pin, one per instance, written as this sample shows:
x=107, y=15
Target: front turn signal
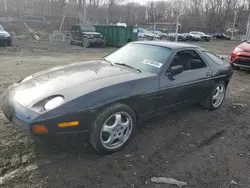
x=39, y=129
x=68, y=124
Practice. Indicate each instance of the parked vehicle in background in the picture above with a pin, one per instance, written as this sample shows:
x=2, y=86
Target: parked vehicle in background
x=221, y=36
x=159, y=33
x=183, y=37
x=187, y=35
x=86, y=35
x=203, y=36
x=241, y=56
x=194, y=37
x=144, y=34
x=190, y=37
x=172, y=36
x=5, y=37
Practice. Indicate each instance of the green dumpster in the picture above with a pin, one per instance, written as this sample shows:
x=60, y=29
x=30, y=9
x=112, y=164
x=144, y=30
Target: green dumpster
x=118, y=36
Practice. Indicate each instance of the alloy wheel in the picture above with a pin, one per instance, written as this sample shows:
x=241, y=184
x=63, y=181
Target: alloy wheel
x=218, y=95
x=116, y=130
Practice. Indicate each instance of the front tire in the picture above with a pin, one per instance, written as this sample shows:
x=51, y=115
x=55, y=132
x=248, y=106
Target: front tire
x=235, y=68
x=113, y=128
x=216, y=97
x=9, y=43
x=85, y=43
x=103, y=44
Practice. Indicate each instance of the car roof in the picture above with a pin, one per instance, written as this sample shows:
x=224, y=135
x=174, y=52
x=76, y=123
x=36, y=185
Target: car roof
x=172, y=45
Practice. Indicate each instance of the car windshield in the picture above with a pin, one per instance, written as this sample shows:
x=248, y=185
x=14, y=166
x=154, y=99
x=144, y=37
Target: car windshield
x=148, y=58
x=194, y=33
x=1, y=28
x=87, y=28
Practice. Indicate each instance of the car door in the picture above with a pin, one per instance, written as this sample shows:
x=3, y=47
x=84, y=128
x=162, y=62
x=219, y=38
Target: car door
x=78, y=34
x=73, y=32
x=191, y=85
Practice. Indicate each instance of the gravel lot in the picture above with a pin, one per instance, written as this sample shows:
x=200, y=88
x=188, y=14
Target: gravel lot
x=203, y=148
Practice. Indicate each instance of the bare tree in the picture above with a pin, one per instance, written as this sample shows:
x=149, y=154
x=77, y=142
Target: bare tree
x=111, y=7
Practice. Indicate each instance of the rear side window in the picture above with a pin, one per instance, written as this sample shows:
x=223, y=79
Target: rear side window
x=214, y=58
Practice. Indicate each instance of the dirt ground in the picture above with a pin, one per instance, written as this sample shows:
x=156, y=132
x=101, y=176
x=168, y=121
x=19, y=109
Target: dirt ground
x=207, y=149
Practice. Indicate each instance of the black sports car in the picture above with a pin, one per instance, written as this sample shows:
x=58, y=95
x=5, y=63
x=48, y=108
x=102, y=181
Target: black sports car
x=108, y=97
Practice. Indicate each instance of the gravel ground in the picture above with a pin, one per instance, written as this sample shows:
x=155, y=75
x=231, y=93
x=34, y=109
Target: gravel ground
x=203, y=148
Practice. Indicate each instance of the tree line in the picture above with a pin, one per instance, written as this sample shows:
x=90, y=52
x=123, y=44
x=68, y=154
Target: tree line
x=205, y=15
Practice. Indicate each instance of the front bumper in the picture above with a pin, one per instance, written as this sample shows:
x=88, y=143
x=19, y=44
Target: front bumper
x=21, y=117
x=97, y=41
x=5, y=39
x=241, y=59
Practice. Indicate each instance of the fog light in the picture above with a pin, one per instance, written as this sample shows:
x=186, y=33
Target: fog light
x=39, y=129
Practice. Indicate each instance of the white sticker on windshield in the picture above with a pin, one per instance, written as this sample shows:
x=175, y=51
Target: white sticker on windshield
x=152, y=63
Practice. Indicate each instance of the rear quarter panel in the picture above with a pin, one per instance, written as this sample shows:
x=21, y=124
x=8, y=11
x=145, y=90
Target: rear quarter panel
x=220, y=72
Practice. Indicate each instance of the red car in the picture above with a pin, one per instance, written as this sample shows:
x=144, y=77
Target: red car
x=241, y=56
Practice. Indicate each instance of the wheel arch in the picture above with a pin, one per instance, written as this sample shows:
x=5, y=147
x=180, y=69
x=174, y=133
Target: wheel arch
x=84, y=37
x=225, y=80
x=127, y=101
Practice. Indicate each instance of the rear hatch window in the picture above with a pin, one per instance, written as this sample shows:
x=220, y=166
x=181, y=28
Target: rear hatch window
x=216, y=59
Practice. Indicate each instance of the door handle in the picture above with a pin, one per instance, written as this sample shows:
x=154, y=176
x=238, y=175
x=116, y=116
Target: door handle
x=208, y=74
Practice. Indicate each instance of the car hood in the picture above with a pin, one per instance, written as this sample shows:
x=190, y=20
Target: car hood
x=60, y=80
x=207, y=35
x=245, y=46
x=3, y=32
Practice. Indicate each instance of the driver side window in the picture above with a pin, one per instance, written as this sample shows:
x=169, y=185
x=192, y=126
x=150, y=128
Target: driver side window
x=189, y=59
x=78, y=29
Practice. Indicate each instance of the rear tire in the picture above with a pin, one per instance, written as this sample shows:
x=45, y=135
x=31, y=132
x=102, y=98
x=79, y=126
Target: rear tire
x=105, y=130
x=216, y=97
x=69, y=40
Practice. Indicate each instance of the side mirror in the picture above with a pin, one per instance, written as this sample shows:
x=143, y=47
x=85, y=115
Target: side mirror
x=174, y=70
x=177, y=69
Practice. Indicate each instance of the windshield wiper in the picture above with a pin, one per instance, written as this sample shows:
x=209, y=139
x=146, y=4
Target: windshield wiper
x=126, y=65
x=108, y=61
